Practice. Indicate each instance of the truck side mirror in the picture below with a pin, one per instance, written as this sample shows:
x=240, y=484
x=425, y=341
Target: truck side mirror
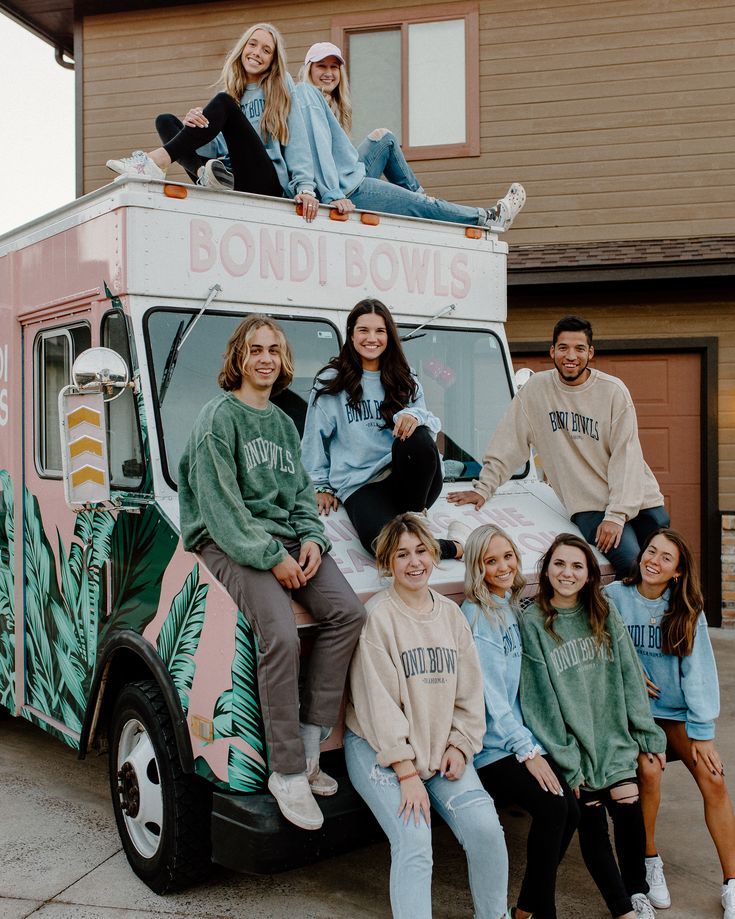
x=522, y=376
x=99, y=375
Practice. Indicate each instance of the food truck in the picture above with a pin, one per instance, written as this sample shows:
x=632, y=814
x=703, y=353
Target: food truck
x=112, y=637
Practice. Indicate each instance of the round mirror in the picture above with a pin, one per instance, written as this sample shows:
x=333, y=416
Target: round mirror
x=99, y=365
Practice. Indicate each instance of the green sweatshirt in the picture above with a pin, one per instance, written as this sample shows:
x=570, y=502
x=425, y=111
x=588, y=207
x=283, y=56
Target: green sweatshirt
x=242, y=485
x=586, y=704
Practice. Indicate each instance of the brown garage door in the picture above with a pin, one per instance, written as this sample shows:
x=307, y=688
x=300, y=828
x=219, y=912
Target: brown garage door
x=666, y=390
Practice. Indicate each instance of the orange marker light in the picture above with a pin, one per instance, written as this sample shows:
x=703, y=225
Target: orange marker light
x=372, y=220
x=175, y=191
x=334, y=214
x=473, y=232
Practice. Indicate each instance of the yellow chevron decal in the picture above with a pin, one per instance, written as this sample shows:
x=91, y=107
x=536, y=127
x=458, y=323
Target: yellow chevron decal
x=87, y=474
x=85, y=444
x=82, y=414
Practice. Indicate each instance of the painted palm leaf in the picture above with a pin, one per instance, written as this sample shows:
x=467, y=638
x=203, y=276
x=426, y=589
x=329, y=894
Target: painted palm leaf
x=180, y=633
x=7, y=591
x=247, y=720
x=243, y=772
x=222, y=717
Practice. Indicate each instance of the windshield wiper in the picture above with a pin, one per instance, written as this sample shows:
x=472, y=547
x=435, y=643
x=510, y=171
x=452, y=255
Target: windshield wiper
x=182, y=333
x=416, y=333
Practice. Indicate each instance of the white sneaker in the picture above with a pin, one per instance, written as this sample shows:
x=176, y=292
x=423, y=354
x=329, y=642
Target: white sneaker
x=658, y=892
x=214, y=174
x=139, y=164
x=295, y=800
x=322, y=784
x=507, y=209
x=458, y=532
x=642, y=907
x=728, y=899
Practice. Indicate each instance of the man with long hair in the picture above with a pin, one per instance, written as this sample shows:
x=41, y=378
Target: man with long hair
x=248, y=508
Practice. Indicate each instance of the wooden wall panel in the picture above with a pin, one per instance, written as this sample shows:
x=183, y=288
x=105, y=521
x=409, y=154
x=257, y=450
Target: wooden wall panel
x=619, y=117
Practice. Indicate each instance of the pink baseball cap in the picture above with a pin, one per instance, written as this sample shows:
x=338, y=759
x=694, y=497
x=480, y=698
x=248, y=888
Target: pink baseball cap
x=321, y=50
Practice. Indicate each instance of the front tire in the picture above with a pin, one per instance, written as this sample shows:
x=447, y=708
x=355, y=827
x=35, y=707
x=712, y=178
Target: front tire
x=163, y=816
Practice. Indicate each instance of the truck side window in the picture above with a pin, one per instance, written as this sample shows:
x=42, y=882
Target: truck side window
x=125, y=449
x=184, y=377
x=54, y=354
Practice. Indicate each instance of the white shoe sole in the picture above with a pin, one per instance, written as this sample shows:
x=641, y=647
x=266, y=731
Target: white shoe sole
x=659, y=904
x=325, y=790
x=298, y=819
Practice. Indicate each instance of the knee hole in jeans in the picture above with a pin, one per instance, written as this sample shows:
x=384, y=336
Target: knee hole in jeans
x=378, y=134
x=471, y=798
x=625, y=793
x=382, y=776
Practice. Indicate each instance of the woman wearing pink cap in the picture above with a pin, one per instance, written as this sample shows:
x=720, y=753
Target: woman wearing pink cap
x=324, y=67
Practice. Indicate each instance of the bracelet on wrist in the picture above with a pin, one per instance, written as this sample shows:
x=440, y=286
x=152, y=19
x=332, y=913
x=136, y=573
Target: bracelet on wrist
x=409, y=775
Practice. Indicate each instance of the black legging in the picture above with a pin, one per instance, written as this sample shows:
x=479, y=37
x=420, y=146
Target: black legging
x=414, y=484
x=251, y=166
x=553, y=821
x=616, y=881
x=168, y=126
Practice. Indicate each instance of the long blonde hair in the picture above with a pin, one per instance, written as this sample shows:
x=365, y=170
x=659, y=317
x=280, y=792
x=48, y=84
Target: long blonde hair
x=475, y=588
x=275, y=88
x=339, y=101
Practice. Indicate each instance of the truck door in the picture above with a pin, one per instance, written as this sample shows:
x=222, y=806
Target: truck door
x=61, y=584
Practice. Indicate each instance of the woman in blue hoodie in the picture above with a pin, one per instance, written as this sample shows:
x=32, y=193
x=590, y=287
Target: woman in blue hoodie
x=661, y=604
x=263, y=130
x=369, y=437
x=512, y=763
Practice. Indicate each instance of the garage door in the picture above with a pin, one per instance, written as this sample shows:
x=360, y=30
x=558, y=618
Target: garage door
x=665, y=387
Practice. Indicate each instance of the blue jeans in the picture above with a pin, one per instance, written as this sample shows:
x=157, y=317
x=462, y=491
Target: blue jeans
x=468, y=811
x=385, y=157
x=634, y=533
x=375, y=195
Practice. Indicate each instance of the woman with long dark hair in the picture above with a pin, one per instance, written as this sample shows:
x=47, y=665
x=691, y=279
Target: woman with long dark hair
x=584, y=698
x=662, y=605
x=369, y=437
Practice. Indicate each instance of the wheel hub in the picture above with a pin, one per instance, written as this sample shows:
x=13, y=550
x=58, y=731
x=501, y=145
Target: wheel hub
x=128, y=789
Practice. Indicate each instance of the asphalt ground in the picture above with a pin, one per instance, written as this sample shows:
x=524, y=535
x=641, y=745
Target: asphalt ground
x=60, y=856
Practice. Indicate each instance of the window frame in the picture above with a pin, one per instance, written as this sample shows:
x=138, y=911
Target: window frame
x=377, y=21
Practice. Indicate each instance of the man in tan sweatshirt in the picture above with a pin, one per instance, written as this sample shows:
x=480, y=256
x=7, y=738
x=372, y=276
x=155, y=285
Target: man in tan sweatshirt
x=583, y=425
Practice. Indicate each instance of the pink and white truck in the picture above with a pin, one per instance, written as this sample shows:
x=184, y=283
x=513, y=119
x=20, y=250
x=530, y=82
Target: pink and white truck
x=112, y=637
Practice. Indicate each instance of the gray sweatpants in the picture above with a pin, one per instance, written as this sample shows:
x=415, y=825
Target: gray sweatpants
x=267, y=606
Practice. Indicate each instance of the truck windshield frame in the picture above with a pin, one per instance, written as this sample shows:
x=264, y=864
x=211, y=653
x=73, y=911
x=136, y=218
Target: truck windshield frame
x=200, y=360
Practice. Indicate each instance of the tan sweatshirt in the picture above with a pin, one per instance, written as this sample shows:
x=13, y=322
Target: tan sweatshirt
x=587, y=439
x=415, y=684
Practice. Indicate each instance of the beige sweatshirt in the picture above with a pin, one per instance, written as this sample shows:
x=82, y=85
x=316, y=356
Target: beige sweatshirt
x=415, y=684
x=587, y=439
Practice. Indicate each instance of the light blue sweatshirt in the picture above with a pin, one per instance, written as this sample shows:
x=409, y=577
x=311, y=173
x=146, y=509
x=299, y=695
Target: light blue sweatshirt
x=293, y=162
x=337, y=167
x=499, y=649
x=345, y=446
x=689, y=687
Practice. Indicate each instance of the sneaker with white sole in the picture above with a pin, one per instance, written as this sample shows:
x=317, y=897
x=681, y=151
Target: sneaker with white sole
x=658, y=892
x=507, y=208
x=642, y=907
x=458, y=532
x=728, y=899
x=295, y=800
x=139, y=164
x=214, y=174
x=322, y=784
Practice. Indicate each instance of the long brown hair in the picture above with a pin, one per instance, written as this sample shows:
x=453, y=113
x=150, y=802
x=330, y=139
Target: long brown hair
x=475, y=588
x=679, y=622
x=238, y=349
x=399, y=384
x=591, y=595
x=275, y=88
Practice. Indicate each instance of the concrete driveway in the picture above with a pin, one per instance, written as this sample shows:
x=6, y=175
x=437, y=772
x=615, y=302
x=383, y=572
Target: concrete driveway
x=60, y=857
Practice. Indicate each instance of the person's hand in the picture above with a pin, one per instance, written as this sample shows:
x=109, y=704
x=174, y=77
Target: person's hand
x=288, y=573
x=705, y=750
x=466, y=497
x=194, y=118
x=405, y=426
x=576, y=791
x=326, y=502
x=343, y=206
x=414, y=800
x=309, y=205
x=452, y=764
x=310, y=558
x=653, y=691
x=608, y=535
x=544, y=774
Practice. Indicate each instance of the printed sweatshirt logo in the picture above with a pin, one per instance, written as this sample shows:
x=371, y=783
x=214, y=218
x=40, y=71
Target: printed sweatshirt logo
x=574, y=423
x=262, y=452
x=420, y=661
x=579, y=651
x=364, y=410
x=646, y=638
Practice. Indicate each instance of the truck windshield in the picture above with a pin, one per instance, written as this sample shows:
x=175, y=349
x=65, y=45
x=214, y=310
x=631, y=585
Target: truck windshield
x=194, y=382
x=467, y=384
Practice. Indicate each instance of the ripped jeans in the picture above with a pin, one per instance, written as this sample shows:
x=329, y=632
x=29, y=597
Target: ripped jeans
x=468, y=811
